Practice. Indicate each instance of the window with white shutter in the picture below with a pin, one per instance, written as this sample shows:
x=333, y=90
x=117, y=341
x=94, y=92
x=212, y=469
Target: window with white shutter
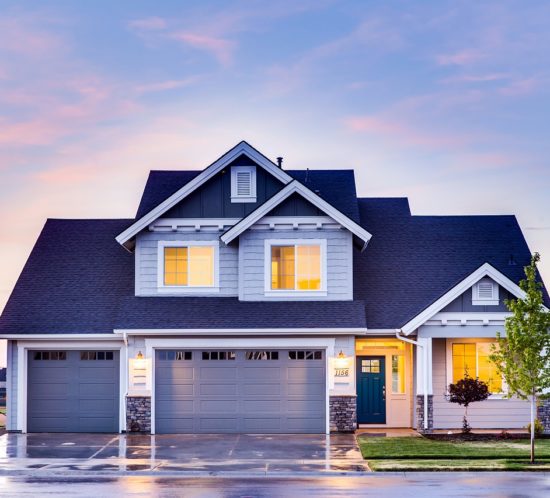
x=243, y=184
x=485, y=293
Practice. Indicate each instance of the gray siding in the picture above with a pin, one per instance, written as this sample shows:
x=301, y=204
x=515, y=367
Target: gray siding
x=147, y=256
x=489, y=414
x=464, y=303
x=339, y=262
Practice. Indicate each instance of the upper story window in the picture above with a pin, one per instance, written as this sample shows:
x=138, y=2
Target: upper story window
x=296, y=267
x=485, y=293
x=188, y=266
x=243, y=184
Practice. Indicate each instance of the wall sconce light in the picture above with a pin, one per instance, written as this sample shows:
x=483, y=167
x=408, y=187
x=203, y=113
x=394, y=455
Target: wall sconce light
x=342, y=361
x=140, y=363
x=139, y=356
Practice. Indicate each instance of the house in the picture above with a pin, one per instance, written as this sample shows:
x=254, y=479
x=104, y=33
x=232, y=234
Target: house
x=2, y=387
x=250, y=298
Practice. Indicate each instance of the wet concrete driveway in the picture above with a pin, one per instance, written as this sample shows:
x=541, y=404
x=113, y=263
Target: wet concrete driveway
x=174, y=455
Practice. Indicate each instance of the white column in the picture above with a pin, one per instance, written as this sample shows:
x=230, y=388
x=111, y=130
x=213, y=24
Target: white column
x=424, y=366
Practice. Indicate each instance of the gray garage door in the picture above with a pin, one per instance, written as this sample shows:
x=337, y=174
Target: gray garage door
x=73, y=391
x=251, y=391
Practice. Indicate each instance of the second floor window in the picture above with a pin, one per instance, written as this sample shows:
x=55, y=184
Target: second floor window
x=189, y=266
x=296, y=267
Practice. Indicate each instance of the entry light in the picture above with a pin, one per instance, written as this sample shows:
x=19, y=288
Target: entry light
x=139, y=356
x=341, y=360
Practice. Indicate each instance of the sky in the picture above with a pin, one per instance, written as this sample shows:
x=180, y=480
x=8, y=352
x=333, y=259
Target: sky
x=446, y=102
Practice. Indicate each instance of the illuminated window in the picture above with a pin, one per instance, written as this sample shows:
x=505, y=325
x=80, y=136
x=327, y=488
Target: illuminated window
x=189, y=266
x=296, y=267
x=398, y=374
x=473, y=359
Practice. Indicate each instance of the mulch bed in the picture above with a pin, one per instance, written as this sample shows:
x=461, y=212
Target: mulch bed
x=481, y=437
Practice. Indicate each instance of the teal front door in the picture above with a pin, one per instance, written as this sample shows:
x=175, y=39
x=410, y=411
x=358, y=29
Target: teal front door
x=371, y=390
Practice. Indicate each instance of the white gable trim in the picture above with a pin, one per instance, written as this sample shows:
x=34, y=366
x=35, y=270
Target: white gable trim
x=205, y=175
x=291, y=188
x=485, y=270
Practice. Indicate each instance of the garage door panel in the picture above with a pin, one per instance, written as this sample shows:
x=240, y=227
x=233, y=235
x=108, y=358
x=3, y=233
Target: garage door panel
x=218, y=389
x=253, y=392
x=73, y=391
x=218, y=373
x=262, y=389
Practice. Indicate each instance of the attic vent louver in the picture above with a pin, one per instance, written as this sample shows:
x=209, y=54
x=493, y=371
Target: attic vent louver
x=485, y=293
x=243, y=184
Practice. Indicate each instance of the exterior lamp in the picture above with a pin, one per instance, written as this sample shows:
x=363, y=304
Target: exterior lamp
x=140, y=362
x=342, y=361
x=139, y=356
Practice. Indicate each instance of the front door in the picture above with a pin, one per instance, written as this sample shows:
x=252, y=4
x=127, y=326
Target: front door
x=371, y=390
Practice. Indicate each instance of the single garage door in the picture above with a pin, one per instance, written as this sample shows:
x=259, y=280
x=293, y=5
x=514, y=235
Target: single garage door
x=252, y=391
x=73, y=391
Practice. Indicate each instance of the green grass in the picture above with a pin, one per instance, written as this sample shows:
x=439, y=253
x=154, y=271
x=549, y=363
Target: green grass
x=419, y=453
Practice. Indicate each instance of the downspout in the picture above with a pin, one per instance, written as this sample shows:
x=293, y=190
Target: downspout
x=398, y=335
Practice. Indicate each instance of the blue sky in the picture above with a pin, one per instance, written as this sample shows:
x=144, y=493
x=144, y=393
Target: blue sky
x=444, y=102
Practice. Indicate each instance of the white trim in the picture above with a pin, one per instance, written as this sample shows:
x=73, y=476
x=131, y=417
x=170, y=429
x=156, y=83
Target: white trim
x=478, y=300
x=9, y=385
x=291, y=188
x=467, y=318
x=449, y=360
x=296, y=222
x=57, y=337
x=244, y=332
x=269, y=292
x=235, y=197
x=187, y=289
x=485, y=270
x=23, y=348
x=205, y=175
x=168, y=225
x=328, y=344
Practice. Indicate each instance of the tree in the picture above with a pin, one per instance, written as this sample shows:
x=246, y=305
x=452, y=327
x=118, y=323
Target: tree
x=465, y=392
x=523, y=356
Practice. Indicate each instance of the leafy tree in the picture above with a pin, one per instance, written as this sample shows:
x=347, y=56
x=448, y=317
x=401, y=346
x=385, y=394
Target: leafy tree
x=523, y=356
x=465, y=392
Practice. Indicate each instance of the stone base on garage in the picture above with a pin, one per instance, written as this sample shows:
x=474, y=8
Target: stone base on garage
x=420, y=414
x=543, y=414
x=138, y=414
x=343, y=413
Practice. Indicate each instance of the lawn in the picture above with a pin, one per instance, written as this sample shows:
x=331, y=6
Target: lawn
x=420, y=453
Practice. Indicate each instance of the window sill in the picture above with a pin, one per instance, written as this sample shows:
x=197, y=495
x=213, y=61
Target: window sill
x=288, y=293
x=497, y=396
x=486, y=303
x=187, y=290
x=243, y=199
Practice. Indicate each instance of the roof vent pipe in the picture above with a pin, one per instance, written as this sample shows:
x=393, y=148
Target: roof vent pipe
x=280, y=162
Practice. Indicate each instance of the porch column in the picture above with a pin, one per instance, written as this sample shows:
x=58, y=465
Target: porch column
x=424, y=385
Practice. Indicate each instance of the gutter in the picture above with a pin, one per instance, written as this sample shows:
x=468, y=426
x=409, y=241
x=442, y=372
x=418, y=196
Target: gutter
x=398, y=335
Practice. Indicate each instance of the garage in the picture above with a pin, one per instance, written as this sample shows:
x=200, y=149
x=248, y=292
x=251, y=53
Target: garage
x=73, y=391
x=240, y=391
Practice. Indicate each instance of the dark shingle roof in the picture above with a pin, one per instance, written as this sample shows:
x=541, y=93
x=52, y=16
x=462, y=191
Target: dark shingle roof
x=78, y=279
x=411, y=261
x=337, y=187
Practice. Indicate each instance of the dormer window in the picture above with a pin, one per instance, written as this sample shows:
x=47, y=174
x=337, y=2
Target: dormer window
x=243, y=184
x=485, y=293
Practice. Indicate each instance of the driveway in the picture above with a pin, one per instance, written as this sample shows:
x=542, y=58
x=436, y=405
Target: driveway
x=113, y=454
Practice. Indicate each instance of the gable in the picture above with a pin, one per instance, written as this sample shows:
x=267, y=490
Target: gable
x=213, y=198
x=464, y=302
x=296, y=205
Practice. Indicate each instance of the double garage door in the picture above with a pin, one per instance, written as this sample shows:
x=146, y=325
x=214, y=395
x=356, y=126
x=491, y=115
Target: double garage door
x=240, y=391
x=73, y=391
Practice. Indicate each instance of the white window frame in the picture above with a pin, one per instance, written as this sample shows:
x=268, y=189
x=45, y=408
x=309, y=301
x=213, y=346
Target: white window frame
x=187, y=289
x=241, y=198
x=477, y=300
x=476, y=341
x=269, y=292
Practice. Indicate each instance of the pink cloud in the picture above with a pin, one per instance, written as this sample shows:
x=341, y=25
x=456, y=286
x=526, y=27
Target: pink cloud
x=220, y=48
x=462, y=58
x=401, y=131
x=477, y=78
x=25, y=39
x=520, y=87
x=166, y=85
x=148, y=23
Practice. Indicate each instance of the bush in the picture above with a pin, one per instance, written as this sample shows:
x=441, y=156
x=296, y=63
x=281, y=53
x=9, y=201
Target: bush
x=539, y=428
x=466, y=391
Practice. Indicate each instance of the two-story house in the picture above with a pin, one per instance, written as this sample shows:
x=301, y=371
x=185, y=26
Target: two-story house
x=249, y=298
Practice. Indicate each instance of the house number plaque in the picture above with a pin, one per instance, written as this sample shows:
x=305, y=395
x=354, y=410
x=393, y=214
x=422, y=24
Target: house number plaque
x=341, y=372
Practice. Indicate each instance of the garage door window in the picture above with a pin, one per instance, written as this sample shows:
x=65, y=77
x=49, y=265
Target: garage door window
x=50, y=355
x=262, y=355
x=96, y=355
x=218, y=355
x=305, y=355
x=175, y=355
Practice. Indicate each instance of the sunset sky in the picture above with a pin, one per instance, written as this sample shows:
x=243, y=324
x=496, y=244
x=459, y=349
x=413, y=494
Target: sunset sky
x=447, y=103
